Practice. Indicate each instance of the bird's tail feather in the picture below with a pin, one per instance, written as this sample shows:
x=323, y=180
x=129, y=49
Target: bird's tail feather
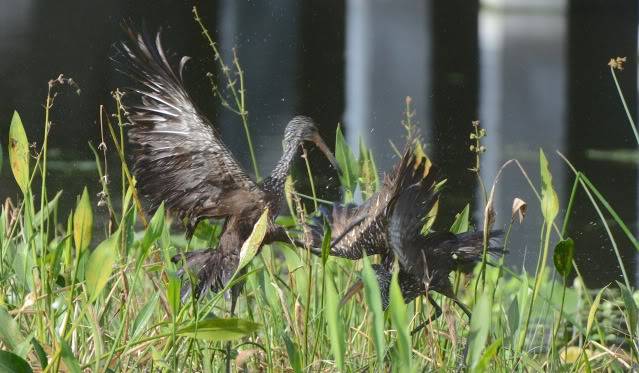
x=469, y=248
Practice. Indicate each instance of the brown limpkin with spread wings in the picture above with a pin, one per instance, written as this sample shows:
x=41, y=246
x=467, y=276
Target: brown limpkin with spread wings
x=180, y=160
x=390, y=224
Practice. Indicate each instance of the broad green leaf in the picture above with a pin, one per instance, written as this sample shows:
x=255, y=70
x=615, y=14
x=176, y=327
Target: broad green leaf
x=336, y=334
x=205, y=231
x=294, y=357
x=173, y=292
x=10, y=362
x=563, y=255
x=479, y=327
x=369, y=181
x=152, y=234
x=145, y=314
x=374, y=301
x=631, y=308
x=488, y=355
x=9, y=330
x=549, y=199
x=397, y=309
x=593, y=311
x=347, y=163
x=251, y=246
x=461, y=221
x=216, y=330
x=42, y=355
x=100, y=265
x=430, y=218
x=68, y=358
x=19, y=152
x=83, y=223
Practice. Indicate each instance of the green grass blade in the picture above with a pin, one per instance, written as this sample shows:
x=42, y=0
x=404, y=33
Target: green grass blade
x=334, y=322
x=479, y=327
x=374, y=301
x=216, y=330
x=397, y=309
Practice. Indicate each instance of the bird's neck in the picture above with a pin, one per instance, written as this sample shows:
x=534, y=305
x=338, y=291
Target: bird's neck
x=274, y=183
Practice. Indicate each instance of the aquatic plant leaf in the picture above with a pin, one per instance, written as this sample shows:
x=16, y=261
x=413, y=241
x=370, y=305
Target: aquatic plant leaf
x=631, y=308
x=479, y=327
x=9, y=330
x=83, y=223
x=19, y=152
x=216, y=330
x=100, y=265
x=564, y=252
x=513, y=321
x=373, y=299
x=68, y=358
x=144, y=315
x=39, y=350
x=460, y=225
x=347, y=163
x=10, y=362
x=47, y=210
x=549, y=198
x=369, y=180
x=593, y=311
x=334, y=322
x=430, y=218
x=152, y=233
x=489, y=354
x=251, y=246
x=294, y=357
x=397, y=309
x=173, y=292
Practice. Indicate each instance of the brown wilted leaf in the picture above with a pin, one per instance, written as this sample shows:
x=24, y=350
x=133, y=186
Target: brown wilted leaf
x=519, y=209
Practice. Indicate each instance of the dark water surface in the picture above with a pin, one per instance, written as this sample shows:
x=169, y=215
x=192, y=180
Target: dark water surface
x=533, y=72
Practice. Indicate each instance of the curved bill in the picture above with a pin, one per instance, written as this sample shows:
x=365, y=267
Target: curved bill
x=356, y=288
x=319, y=142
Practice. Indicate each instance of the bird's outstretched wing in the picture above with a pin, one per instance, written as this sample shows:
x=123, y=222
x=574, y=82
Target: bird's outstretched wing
x=363, y=227
x=407, y=218
x=178, y=157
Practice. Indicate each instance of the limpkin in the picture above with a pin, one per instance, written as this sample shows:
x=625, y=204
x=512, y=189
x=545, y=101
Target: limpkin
x=390, y=224
x=180, y=160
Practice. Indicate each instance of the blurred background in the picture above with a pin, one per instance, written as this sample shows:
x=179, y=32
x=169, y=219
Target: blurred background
x=534, y=72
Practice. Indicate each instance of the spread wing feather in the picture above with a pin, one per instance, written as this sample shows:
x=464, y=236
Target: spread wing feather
x=409, y=211
x=178, y=157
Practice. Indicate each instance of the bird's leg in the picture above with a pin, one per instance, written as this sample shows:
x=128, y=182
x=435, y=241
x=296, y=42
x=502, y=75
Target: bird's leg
x=447, y=291
x=433, y=317
x=234, y=295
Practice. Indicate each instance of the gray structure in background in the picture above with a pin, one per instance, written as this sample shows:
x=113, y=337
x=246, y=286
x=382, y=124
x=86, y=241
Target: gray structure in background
x=522, y=105
x=385, y=62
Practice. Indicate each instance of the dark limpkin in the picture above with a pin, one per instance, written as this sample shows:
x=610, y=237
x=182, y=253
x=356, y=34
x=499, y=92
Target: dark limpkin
x=180, y=160
x=390, y=224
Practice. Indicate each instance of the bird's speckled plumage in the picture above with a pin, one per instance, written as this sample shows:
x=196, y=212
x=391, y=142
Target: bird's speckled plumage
x=364, y=227
x=179, y=159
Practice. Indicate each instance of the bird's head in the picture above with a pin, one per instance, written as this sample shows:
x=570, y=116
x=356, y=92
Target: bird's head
x=302, y=128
